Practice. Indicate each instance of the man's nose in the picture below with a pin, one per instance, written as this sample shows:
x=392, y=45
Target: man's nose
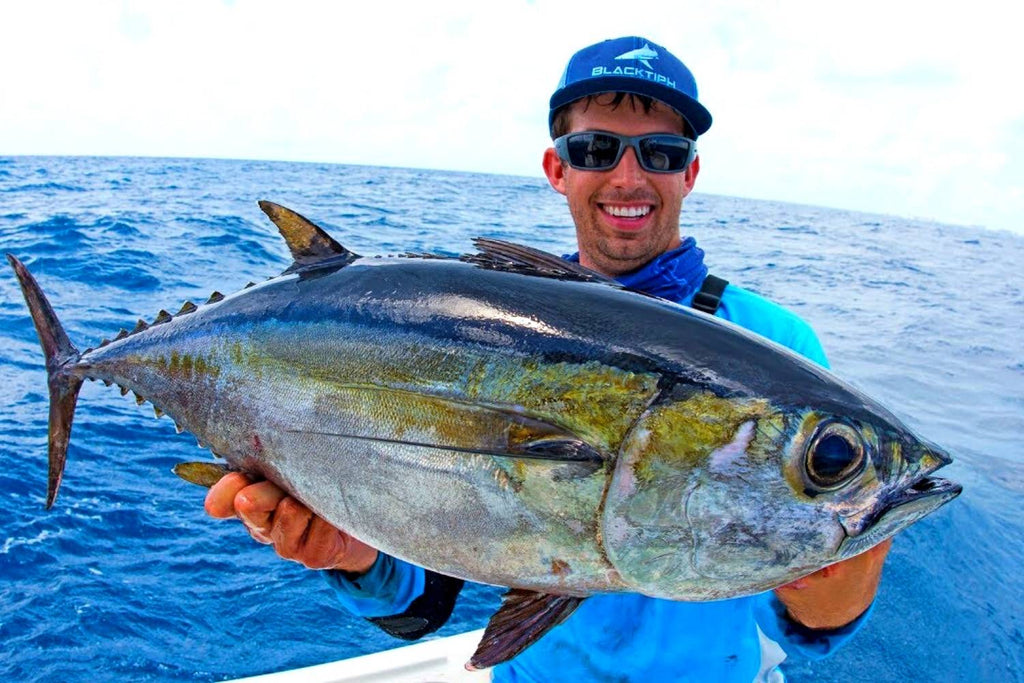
x=628, y=172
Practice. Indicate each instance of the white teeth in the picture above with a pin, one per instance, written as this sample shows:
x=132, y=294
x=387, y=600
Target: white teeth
x=627, y=211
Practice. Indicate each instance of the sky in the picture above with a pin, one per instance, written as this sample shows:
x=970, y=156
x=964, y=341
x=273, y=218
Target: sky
x=914, y=109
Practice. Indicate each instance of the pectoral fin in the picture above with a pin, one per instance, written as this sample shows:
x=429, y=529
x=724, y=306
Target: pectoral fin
x=523, y=618
x=386, y=415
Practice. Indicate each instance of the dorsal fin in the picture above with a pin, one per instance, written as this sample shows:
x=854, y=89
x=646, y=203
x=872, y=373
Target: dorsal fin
x=309, y=243
x=519, y=258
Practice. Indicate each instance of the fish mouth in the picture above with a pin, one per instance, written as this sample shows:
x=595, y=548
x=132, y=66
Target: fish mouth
x=920, y=498
x=929, y=486
x=901, y=509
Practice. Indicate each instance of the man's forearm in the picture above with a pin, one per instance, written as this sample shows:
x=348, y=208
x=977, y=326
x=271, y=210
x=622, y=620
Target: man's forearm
x=427, y=613
x=403, y=600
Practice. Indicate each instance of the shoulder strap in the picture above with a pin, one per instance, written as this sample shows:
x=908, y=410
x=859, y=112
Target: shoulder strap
x=710, y=295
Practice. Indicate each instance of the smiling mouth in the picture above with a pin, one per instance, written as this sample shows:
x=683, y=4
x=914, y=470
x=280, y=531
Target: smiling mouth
x=619, y=211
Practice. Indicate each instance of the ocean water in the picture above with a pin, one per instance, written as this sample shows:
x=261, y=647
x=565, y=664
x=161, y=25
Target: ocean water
x=126, y=579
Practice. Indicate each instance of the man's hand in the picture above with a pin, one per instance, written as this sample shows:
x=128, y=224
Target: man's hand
x=837, y=594
x=275, y=518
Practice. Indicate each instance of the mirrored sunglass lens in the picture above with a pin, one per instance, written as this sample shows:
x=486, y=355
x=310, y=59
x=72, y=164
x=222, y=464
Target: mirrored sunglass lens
x=592, y=150
x=664, y=154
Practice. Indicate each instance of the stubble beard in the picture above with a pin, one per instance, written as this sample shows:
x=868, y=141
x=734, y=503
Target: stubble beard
x=612, y=255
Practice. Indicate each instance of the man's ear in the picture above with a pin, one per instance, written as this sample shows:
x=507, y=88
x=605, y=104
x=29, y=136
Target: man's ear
x=555, y=170
x=690, y=177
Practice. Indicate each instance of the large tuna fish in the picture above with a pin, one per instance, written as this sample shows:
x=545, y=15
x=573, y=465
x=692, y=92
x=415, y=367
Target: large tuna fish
x=513, y=419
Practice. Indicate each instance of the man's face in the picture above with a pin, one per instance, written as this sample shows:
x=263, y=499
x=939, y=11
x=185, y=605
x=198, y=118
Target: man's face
x=625, y=216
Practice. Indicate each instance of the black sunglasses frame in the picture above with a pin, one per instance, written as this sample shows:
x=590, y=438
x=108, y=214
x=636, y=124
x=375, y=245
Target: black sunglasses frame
x=676, y=142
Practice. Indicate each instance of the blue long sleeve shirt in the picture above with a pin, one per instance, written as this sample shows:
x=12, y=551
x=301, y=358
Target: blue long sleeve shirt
x=631, y=637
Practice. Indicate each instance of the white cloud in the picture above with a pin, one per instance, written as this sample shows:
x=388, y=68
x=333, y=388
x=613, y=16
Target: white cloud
x=891, y=107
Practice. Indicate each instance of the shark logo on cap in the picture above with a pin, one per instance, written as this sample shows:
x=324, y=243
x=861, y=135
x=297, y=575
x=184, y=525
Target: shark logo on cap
x=641, y=55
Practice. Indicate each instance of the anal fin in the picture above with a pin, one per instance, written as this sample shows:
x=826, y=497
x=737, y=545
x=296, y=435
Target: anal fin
x=524, y=616
x=201, y=473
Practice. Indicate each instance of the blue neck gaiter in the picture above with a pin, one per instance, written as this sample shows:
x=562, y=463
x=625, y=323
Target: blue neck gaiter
x=675, y=275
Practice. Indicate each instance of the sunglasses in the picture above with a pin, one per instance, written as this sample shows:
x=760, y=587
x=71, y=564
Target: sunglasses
x=600, y=151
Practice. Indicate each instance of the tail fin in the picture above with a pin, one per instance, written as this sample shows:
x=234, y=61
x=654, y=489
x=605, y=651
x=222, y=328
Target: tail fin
x=64, y=386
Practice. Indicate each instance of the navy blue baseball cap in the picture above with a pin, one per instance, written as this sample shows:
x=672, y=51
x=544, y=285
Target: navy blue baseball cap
x=632, y=65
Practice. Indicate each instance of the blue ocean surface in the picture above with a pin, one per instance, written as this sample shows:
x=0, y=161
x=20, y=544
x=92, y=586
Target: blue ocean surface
x=126, y=578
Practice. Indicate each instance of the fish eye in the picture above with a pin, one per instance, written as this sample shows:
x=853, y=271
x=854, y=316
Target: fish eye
x=835, y=455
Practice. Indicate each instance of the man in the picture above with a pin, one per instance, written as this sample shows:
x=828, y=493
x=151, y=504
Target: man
x=624, y=121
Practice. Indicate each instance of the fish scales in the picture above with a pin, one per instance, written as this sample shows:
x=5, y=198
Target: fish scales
x=306, y=372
